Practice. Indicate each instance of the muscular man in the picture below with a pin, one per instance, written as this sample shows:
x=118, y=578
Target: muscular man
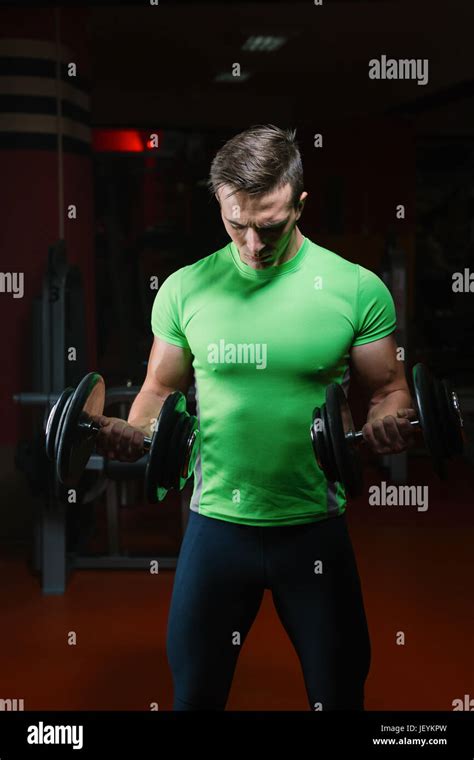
x=267, y=322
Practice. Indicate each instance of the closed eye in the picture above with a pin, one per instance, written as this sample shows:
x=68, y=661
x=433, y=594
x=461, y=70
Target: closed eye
x=271, y=228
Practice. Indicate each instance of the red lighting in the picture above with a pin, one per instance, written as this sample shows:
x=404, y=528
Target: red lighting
x=123, y=140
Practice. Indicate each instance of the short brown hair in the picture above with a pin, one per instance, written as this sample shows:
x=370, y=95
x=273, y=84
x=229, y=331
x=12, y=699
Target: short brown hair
x=258, y=160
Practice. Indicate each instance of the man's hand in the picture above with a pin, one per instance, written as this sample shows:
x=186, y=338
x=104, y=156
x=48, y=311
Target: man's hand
x=118, y=440
x=390, y=435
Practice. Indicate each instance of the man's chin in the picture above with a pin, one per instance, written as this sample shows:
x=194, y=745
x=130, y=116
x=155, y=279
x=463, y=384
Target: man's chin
x=259, y=264
x=267, y=259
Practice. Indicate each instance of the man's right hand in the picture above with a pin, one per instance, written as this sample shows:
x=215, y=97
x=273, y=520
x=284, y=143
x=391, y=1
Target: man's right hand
x=117, y=439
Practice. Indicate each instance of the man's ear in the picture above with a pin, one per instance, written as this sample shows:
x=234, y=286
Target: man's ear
x=301, y=202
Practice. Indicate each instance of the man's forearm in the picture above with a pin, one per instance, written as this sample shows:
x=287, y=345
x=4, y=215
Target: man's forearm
x=145, y=410
x=389, y=405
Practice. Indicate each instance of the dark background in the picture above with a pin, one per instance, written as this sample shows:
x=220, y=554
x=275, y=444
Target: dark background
x=142, y=213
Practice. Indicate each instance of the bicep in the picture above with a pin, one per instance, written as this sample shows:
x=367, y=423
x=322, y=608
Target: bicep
x=169, y=368
x=377, y=368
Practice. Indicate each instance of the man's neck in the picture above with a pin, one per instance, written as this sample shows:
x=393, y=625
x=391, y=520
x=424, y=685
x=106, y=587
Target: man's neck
x=294, y=245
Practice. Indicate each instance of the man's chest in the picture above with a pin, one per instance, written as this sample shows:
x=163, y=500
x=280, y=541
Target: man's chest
x=275, y=331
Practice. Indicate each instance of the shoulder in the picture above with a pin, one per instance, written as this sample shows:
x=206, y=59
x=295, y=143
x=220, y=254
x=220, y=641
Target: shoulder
x=317, y=253
x=365, y=278
x=205, y=265
x=187, y=275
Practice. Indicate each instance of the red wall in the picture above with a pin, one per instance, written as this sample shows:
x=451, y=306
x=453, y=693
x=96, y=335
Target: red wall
x=29, y=214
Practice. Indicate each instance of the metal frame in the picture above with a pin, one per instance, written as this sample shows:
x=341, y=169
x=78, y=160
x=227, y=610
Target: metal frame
x=62, y=291
x=50, y=542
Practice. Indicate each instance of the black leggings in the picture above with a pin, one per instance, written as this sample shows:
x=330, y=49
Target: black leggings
x=223, y=569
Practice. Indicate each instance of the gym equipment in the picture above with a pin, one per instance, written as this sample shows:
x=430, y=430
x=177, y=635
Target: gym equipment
x=71, y=433
x=57, y=323
x=335, y=439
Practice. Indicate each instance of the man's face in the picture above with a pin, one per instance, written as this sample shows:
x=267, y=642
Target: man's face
x=260, y=226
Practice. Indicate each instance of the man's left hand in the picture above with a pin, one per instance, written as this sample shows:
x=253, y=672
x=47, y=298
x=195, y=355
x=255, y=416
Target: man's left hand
x=390, y=435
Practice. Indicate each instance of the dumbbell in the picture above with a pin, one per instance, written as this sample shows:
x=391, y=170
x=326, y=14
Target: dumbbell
x=71, y=433
x=335, y=440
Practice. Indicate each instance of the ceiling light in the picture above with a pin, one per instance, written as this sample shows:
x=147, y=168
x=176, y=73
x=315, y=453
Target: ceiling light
x=263, y=43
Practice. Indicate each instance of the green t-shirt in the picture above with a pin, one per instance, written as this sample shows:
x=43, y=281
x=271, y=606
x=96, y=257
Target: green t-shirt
x=265, y=345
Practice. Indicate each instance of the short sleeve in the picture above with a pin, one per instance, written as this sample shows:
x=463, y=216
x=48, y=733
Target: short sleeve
x=376, y=316
x=166, y=314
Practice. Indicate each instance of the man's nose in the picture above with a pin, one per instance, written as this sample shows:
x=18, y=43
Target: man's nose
x=253, y=241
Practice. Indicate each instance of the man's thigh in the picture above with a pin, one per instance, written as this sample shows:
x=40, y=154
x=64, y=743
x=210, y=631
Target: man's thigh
x=216, y=595
x=317, y=594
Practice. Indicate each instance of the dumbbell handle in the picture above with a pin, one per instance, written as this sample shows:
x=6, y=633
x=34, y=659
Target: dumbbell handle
x=92, y=427
x=359, y=434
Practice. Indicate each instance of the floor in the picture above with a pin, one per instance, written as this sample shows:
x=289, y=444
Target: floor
x=417, y=576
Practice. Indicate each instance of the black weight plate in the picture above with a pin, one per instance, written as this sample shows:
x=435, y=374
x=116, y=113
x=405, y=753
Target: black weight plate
x=341, y=426
x=60, y=490
x=92, y=485
x=75, y=444
x=454, y=421
x=330, y=447
x=156, y=480
x=317, y=440
x=322, y=445
x=443, y=417
x=175, y=451
x=192, y=450
x=52, y=423
x=183, y=430
x=428, y=415
x=189, y=448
